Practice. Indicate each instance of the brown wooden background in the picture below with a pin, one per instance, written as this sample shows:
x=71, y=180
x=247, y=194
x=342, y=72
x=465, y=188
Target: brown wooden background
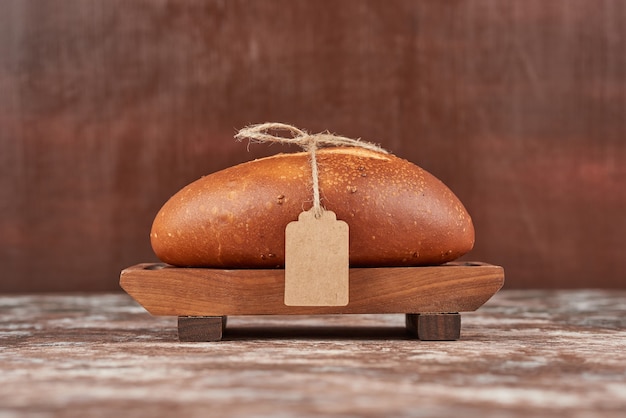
x=109, y=107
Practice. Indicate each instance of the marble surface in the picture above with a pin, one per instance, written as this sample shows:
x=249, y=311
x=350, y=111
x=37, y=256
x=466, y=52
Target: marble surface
x=524, y=353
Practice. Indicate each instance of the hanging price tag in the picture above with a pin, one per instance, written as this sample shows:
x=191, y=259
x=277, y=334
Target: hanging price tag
x=316, y=261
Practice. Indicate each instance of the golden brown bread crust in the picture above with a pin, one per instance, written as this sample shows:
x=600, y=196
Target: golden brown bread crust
x=398, y=214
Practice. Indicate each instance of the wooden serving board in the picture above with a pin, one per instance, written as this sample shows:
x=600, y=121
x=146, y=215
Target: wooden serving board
x=430, y=296
x=175, y=291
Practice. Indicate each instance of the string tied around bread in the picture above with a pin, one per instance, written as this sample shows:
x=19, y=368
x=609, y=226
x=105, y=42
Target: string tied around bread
x=266, y=132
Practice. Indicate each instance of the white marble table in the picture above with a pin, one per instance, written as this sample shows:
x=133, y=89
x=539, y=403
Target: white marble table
x=523, y=354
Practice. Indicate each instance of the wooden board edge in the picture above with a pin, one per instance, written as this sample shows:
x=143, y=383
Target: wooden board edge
x=145, y=282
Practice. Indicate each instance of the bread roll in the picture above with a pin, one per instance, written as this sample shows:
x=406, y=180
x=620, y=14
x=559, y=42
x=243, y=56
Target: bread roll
x=398, y=214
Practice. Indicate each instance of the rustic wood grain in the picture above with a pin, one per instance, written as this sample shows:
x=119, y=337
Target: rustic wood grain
x=165, y=290
x=523, y=354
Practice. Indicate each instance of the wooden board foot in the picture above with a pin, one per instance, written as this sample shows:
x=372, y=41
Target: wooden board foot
x=201, y=328
x=434, y=327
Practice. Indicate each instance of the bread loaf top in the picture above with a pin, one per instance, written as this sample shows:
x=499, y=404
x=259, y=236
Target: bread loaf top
x=398, y=214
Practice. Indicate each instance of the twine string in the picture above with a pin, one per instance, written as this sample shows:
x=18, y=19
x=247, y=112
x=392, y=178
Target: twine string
x=309, y=142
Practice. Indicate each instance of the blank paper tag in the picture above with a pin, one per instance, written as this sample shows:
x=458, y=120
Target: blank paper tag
x=316, y=261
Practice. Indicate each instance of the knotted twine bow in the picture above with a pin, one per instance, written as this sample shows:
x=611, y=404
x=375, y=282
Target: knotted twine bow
x=309, y=142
